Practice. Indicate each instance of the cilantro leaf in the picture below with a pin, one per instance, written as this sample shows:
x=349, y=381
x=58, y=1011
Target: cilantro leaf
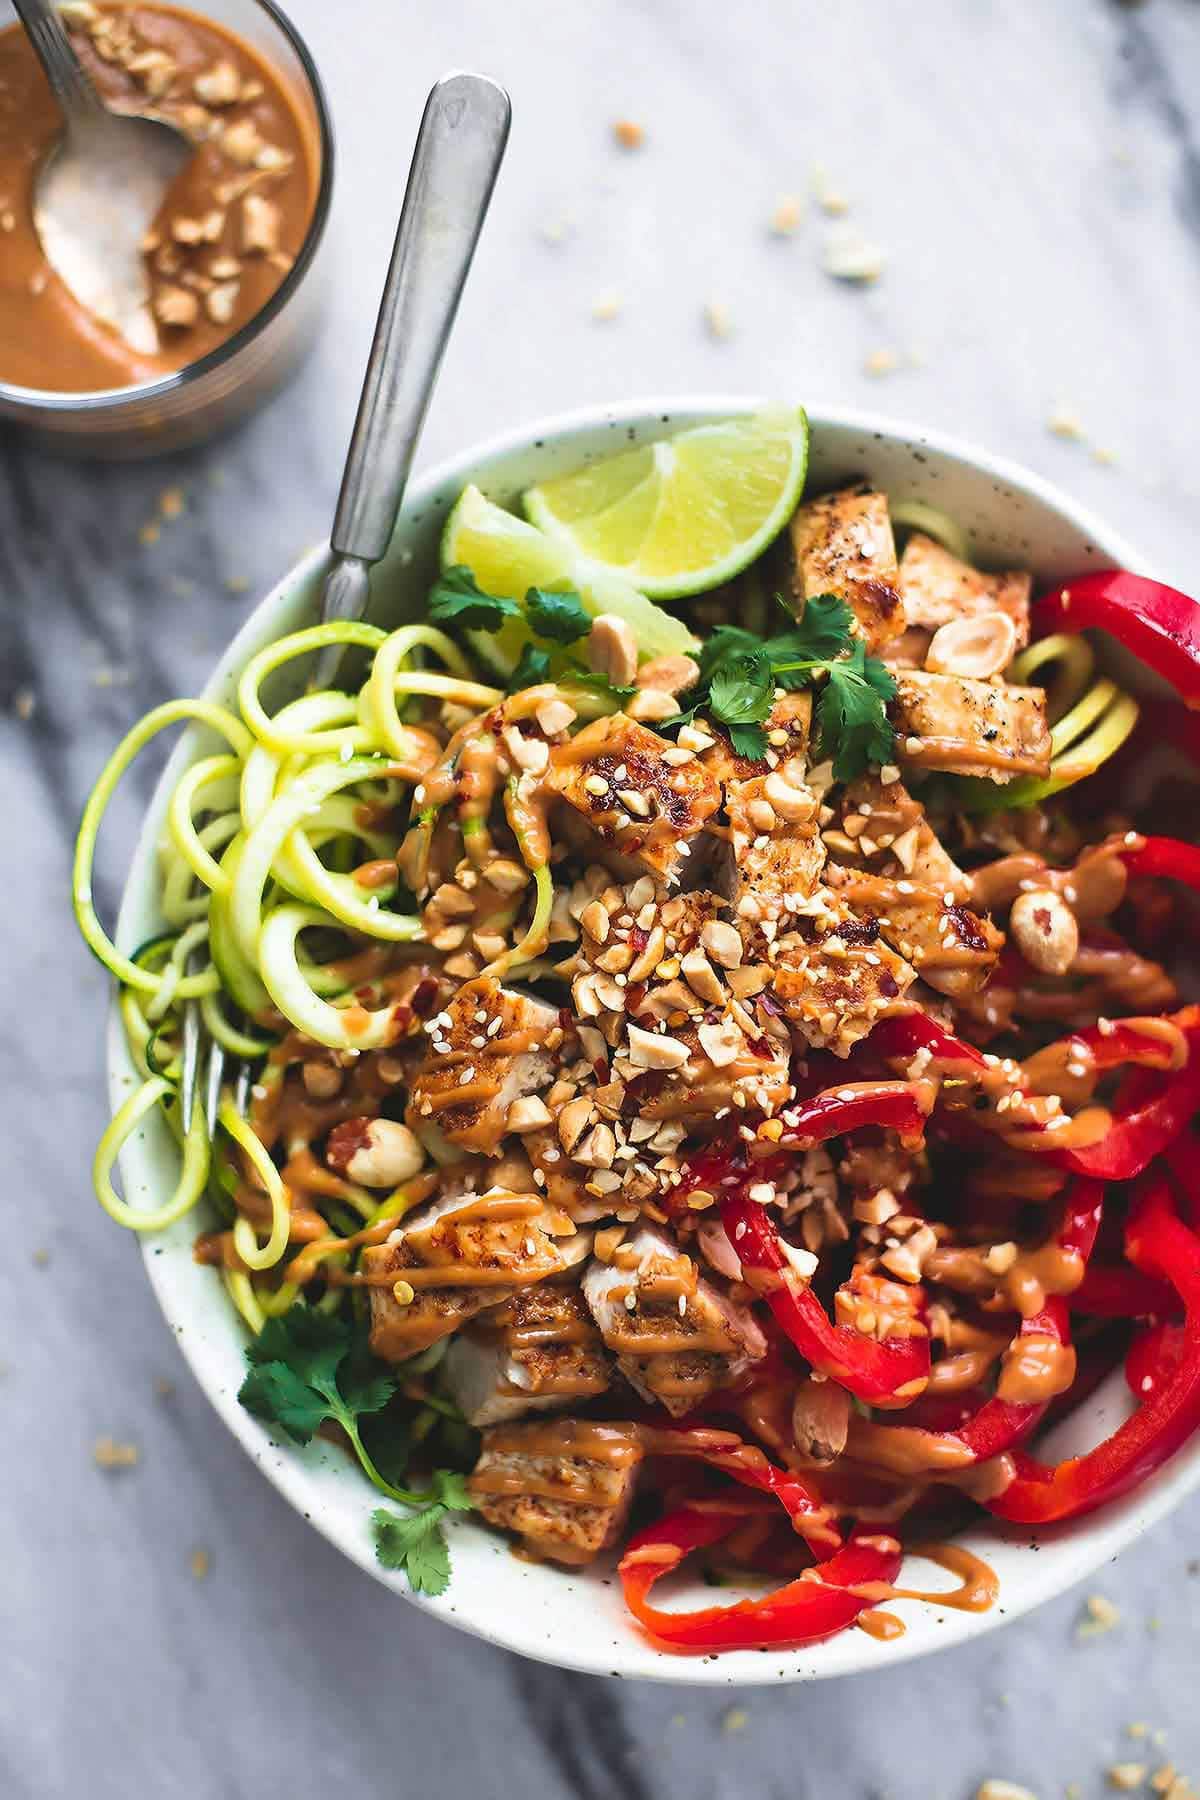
x=822, y=630
x=364, y=1392
x=276, y=1393
x=307, y=1368
x=532, y=669
x=452, y=1490
x=852, y=725
x=740, y=673
x=458, y=599
x=312, y=1344
x=749, y=741
x=742, y=688
x=416, y=1543
x=562, y=618
x=723, y=643
x=577, y=675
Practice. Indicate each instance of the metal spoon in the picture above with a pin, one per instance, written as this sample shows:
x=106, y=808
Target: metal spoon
x=459, y=150
x=460, y=146
x=100, y=186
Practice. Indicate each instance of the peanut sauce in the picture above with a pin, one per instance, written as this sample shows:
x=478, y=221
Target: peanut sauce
x=1093, y=889
x=617, y=1445
x=1035, y=1368
x=48, y=339
x=977, y=1590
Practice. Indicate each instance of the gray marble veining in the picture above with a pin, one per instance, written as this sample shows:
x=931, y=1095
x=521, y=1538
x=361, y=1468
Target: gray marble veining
x=1032, y=171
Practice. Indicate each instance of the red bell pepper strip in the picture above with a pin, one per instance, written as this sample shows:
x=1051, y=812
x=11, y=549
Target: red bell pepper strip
x=1121, y=1042
x=1159, y=1243
x=1150, y=1110
x=1158, y=624
x=726, y=1162
x=1001, y=1424
x=724, y=1450
x=1154, y=1358
x=1152, y=1106
x=997, y=1425
x=900, y=1037
x=829, y=1115
x=884, y=1373
x=817, y=1605
x=1164, y=856
x=1115, y=1291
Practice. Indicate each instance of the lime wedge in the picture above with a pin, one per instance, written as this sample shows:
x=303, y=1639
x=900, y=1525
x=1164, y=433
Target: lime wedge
x=682, y=515
x=508, y=556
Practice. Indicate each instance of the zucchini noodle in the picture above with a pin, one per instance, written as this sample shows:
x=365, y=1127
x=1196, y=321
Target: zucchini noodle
x=254, y=1255
x=294, y=997
x=287, y=830
x=193, y=1172
x=919, y=515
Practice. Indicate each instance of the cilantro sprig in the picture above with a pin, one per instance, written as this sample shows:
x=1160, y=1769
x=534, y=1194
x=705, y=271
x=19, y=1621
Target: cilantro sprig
x=456, y=598
x=415, y=1542
x=309, y=1368
x=556, y=616
x=740, y=671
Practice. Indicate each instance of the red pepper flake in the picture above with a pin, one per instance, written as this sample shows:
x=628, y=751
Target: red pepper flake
x=638, y=939
x=424, y=997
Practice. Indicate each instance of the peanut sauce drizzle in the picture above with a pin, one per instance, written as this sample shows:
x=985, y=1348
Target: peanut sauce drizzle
x=977, y=1591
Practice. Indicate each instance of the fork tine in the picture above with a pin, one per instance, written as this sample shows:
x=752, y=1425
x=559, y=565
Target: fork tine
x=191, y=1062
x=242, y=1091
x=212, y=1091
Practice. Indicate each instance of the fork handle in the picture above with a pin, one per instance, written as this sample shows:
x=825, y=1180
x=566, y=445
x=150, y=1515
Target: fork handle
x=459, y=148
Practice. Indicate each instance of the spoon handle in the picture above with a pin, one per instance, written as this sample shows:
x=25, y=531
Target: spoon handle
x=71, y=85
x=459, y=149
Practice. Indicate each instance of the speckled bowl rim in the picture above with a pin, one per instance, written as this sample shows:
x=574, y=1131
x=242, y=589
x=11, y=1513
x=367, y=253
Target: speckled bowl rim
x=562, y=1617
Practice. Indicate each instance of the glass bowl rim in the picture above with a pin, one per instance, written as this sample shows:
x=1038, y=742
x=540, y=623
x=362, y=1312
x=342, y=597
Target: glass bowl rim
x=39, y=401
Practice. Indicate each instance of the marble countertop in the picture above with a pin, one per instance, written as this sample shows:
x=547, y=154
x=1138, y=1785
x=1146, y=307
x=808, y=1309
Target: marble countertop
x=1031, y=172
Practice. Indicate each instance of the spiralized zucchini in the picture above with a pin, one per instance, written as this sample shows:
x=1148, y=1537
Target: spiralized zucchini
x=261, y=908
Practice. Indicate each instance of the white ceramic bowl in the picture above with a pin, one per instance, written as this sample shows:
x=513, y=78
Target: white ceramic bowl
x=572, y=1619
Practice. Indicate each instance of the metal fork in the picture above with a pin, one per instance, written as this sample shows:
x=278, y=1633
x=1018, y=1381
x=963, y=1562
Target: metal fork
x=459, y=149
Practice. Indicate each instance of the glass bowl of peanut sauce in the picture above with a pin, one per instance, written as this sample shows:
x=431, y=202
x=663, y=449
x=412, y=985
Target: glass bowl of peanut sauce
x=231, y=258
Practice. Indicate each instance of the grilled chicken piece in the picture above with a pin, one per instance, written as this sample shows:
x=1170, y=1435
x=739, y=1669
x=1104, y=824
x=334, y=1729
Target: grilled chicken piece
x=680, y=1339
x=843, y=544
x=615, y=775
x=951, y=947
x=881, y=827
x=767, y=870
x=834, y=983
x=537, y=1352
x=488, y=1048
x=461, y=1253
x=967, y=727
x=937, y=587
x=788, y=727
x=563, y=1485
